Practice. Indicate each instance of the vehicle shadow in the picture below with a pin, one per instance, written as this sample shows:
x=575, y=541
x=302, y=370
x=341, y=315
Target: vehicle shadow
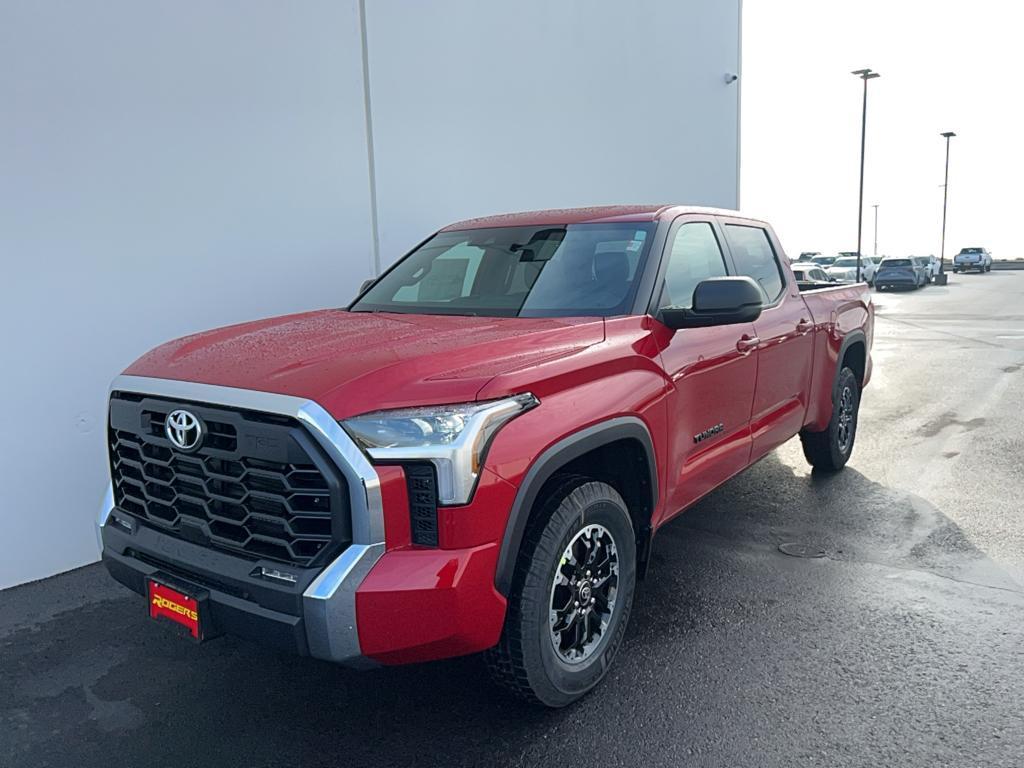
x=721, y=609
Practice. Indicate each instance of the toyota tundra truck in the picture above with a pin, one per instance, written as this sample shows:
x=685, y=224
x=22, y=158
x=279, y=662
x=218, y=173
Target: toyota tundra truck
x=477, y=453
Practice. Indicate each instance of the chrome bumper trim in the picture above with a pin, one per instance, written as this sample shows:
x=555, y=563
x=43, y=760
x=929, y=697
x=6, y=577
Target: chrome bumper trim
x=106, y=507
x=329, y=604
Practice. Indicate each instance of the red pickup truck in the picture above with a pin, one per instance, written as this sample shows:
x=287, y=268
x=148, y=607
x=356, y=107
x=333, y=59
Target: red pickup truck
x=476, y=454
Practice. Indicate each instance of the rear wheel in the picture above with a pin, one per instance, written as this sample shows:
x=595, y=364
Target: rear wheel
x=830, y=449
x=571, y=595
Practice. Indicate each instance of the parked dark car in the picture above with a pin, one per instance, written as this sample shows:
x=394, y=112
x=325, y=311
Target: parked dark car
x=900, y=272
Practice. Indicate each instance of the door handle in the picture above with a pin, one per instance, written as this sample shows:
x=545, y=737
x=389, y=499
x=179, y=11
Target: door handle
x=747, y=344
x=804, y=327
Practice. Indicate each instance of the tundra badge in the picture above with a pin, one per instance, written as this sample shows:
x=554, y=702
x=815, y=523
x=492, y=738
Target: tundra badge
x=700, y=437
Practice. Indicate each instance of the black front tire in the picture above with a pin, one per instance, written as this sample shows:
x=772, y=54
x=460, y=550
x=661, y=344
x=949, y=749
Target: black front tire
x=526, y=660
x=830, y=449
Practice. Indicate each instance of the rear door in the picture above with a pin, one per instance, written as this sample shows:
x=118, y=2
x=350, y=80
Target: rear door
x=784, y=338
x=713, y=370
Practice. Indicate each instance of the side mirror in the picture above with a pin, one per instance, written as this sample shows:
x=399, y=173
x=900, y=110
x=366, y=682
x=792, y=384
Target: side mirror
x=366, y=284
x=717, y=301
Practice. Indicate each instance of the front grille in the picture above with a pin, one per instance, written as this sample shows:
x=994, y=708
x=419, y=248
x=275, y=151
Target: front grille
x=258, y=485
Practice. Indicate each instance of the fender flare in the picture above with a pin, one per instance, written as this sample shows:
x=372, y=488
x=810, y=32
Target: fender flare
x=547, y=464
x=849, y=340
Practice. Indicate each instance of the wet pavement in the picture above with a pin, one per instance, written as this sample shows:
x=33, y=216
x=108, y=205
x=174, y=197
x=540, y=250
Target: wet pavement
x=902, y=645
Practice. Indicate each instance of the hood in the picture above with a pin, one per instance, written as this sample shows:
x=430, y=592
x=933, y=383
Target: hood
x=354, y=362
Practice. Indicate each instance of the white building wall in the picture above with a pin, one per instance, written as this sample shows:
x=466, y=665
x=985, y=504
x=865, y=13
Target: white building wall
x=164, y=167
x=168, y=167
x=485, y=107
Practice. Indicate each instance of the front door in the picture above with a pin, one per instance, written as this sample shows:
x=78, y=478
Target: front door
x=713, y=371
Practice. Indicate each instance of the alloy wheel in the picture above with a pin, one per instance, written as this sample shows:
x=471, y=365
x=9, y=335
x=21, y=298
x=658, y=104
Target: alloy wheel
x=583, y=594
x=845, y=431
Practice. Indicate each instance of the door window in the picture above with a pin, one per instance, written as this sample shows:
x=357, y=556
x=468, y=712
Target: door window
x=695, y=256
x=754, y=256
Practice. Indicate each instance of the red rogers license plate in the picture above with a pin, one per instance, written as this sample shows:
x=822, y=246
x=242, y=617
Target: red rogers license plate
x=167, y=603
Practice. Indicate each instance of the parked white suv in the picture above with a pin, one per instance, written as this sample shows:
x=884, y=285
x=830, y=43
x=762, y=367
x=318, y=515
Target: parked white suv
x=972, y=258
x=845, y=269
x=929, y=265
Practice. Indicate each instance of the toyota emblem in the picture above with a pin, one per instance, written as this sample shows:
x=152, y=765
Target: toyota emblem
x=184, y=430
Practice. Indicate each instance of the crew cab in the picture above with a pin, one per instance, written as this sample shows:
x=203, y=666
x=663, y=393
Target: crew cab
x=478, y=452
x=972, y=258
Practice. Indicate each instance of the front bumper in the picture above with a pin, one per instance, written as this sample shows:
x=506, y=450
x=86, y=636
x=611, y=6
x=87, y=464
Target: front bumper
x=367, y=605
x=239, y=603
x=410, y=605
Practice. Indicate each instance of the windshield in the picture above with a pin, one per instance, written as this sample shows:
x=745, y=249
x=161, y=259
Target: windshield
x=538, y=271
x=970, y=250
x=824, y=260
x=846, y=262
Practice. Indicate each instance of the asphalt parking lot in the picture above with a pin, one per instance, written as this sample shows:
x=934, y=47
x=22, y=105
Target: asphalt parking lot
x=901, y=646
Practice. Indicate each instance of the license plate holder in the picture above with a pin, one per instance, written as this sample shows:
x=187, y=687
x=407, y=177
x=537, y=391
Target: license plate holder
x=181, y=607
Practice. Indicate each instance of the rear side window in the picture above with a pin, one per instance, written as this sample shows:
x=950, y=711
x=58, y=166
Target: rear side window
x=754, y=256
x=695, y=256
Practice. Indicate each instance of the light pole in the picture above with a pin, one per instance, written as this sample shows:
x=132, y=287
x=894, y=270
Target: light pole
x=865, y=75
x=945, y=197
x=875, y=252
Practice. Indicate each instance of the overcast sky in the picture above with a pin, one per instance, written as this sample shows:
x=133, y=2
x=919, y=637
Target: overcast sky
x=945, y=66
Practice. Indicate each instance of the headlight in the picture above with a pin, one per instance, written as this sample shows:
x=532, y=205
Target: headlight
x=454, y=438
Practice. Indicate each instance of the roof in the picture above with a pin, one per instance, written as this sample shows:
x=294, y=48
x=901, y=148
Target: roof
x=601, y=214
